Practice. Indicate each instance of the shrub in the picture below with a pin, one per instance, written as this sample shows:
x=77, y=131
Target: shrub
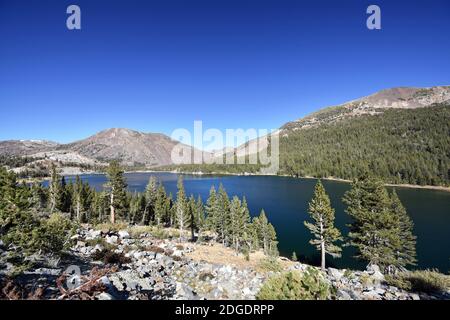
x=155, y=249
x=53, y=234
x=111, y=227
x=108, y=256
x=294, y=285
x=270, y=264
x=427, y=281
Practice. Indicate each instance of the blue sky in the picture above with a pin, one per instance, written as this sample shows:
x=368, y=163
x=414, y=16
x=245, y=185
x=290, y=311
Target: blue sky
x=159, y=65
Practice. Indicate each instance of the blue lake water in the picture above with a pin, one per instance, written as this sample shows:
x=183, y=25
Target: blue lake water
x=285, y=201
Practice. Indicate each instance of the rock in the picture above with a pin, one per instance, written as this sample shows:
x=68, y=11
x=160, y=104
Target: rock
x=247, y=292
x=343, y=295
x=414, y=296
x=80, y=244
x=46, y=272
x=93, y=234
x=130, y=280
x=177, y=253
x=98, y=247
x=375, y=273
x=335, y=273
x=111, y=239
x=104, y=296
x=105, y=281
x=123, y=234
x=186, y=292
x=75, y=237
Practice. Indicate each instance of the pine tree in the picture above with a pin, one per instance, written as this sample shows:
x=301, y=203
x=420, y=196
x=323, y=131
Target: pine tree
x=78, y=195
x=200, y=216
x=16, y=219
x=266, y=234
x=181, y=207
x=192, y=216
x=212, y=210
x=65, y=197
x=99, y=206
x=223, y=215
x=239, y=219
x=117, y=190
x=150, y=200
x=378, y=225
x=406, y=250
x=323, y=229
x=161, y=210
x=54, y=190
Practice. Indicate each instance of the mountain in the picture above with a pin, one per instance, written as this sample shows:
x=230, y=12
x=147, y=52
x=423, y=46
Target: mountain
x=25, y=147
x=132, y=148
x=400, y=135
x=395, y=98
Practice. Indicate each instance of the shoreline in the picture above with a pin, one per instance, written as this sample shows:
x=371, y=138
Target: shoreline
x=246, y=174
x=409, y=186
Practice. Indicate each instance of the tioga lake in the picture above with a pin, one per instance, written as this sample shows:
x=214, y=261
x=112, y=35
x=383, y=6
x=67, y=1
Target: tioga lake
x=285, y=201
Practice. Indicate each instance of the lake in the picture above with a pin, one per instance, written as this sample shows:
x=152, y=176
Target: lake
x=285, y=201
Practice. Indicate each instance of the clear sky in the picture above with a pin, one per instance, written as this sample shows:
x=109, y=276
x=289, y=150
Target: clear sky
x=159, y=65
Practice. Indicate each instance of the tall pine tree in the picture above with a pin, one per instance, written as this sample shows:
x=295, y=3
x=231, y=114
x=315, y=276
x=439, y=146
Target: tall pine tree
x=379, y=230
x=117, y=190
x=323, y=229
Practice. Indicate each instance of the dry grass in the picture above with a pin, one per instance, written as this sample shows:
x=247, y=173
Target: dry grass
x=218, y=254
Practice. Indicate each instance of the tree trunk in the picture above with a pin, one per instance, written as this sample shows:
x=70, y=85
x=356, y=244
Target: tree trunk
x=113, y=214
x=322, y=246
x=78, y=211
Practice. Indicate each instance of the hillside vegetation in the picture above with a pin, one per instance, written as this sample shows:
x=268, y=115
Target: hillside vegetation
x=398, y=146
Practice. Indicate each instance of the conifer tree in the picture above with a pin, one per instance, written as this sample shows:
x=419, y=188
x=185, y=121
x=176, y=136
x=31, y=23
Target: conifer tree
x=99, y=206
x=54, y=189
x=323, y=229
x=380, y=231
x=239, y=219
x=78, y=199
x=181, y=207
x=161, y=208
x=65, y=197
x=406, y=250
x=266, y=234
x=223, y=215
x=150, y=199
x=117, y=190
x=192, y=216
x=212, y=210
x=200, y=216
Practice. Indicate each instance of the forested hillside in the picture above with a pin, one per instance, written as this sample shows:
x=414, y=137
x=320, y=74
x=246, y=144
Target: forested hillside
x=398, y=145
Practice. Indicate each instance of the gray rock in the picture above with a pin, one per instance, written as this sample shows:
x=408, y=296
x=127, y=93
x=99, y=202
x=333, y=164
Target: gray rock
x=123, y=234
x=375, y=273
x=98, y=247
x=111, y=239
x=186, y=292
x=80, y=244
x=414, y=296
x=130, y=280
x=105, y=296
x=335, y=273
x=343, y=295
x=45, y=272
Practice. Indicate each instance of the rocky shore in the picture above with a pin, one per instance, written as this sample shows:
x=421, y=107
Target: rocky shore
x=109, y=265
